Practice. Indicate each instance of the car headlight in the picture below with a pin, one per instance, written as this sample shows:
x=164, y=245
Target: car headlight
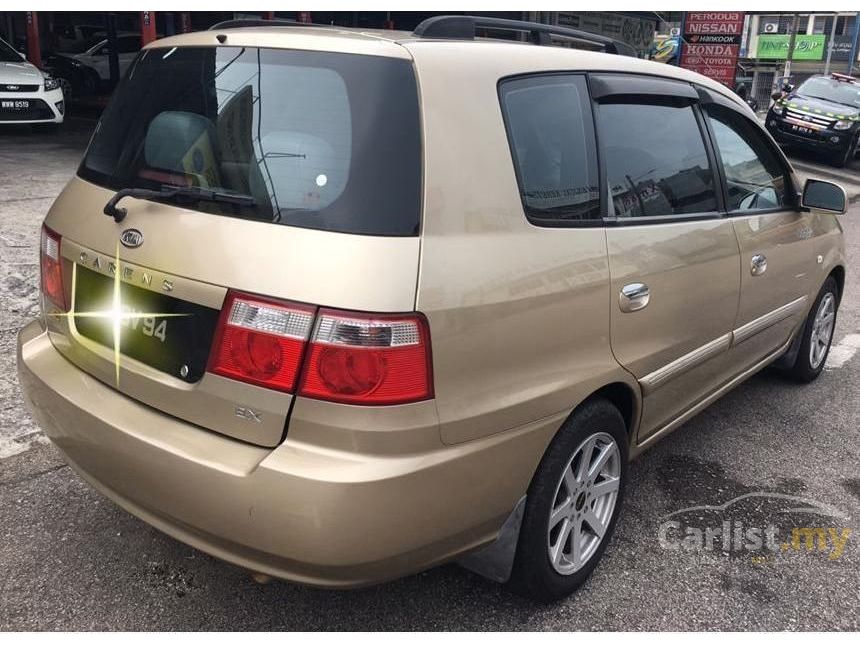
x=778, y=109
x=842, y=125
x=51, y=83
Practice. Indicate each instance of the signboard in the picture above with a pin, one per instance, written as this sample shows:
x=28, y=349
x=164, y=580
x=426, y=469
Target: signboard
x=775, y=46
x=712, y=40
x=664, y=49
x=841, y=48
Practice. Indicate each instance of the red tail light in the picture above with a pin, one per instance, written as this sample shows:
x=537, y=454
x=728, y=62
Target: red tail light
x=261, y=341
x=368, y=359
x=353, y=358
x=52, y=270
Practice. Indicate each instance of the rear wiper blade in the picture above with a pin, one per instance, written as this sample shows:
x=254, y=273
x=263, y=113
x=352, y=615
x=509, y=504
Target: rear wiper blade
x=193, y=193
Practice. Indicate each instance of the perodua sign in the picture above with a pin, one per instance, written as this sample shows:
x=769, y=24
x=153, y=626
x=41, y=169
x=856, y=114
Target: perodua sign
x=712, y=40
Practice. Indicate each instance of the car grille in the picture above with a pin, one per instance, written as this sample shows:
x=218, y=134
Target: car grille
x=812, y=120
x=18, y=88
x=38, y=111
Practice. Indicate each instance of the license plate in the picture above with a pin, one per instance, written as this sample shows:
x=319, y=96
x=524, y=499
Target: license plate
x=177, y=344
x=801, y=129
x=16, y=105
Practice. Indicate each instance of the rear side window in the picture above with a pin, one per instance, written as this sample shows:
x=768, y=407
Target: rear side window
x=320, y=140
x=755, y=177
x=551, y=134
x=656, y=161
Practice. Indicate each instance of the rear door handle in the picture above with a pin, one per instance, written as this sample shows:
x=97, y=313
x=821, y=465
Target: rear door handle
x=758, y=264
x=633, y=297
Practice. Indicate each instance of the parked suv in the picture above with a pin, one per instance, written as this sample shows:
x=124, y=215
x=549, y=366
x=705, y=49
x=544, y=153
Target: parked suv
x=823, y=114
x=364, y=303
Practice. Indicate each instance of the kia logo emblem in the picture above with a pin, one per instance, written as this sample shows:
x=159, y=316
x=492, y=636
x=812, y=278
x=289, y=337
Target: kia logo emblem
x=131, y=237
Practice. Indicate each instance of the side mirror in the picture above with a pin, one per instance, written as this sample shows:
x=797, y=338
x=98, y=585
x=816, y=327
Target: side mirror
x=824, y=196
x=788, y=87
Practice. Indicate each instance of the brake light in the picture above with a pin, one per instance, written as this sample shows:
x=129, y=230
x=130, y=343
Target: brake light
x=51, y=268
x=368, y=359
x=356, y=358
x=261, y=341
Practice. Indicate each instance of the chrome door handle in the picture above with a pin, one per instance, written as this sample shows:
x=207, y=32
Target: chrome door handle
x=758, y=264
x=633, y=297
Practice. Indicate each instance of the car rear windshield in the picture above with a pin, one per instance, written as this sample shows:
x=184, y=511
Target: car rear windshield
x=320, y=140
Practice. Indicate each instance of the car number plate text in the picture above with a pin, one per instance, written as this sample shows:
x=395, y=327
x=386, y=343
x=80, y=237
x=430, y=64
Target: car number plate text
x=15, y=105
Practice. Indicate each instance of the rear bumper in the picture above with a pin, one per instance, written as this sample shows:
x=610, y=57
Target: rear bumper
x=313, y=515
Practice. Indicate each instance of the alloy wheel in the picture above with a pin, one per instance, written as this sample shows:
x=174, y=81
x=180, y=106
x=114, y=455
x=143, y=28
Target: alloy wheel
x=822, y=330
x=584, y=502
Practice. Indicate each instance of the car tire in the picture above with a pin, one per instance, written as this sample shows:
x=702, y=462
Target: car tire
x=817, y=334
x=68, y=90
x=844, y=158
x=555, y=516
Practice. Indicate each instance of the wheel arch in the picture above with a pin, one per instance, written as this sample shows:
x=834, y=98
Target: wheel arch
x=496, y=561
x=838, y=274
x=623, y=397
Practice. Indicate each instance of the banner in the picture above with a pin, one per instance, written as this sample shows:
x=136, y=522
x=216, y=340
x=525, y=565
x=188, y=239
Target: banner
x=806, y=46
x=712, y=41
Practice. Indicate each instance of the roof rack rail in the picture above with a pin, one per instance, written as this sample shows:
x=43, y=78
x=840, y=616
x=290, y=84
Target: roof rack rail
x=257, y=22
x=465, y=28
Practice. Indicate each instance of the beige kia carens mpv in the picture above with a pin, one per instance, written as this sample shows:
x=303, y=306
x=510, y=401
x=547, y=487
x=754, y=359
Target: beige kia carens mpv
x=339, y=306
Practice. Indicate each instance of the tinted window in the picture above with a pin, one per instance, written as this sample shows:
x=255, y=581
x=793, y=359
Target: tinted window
x=83, y=45
x=656, y=163
x=551, y=133
x=755, y=177
x=320, y=140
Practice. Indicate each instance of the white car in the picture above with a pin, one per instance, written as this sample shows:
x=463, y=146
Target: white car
x=26, y=94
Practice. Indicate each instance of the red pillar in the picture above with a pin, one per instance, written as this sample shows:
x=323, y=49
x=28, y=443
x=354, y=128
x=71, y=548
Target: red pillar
x=147, y=27
x=184, y=22
x=34, y=49
x=267, y=15
x=303, y=16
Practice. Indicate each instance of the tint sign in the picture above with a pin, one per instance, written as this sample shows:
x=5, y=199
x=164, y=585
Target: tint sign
x=712, y=40
x=775, y=47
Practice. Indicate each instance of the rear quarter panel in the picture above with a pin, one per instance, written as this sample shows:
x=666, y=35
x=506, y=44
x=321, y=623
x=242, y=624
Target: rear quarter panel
x=519, y=314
